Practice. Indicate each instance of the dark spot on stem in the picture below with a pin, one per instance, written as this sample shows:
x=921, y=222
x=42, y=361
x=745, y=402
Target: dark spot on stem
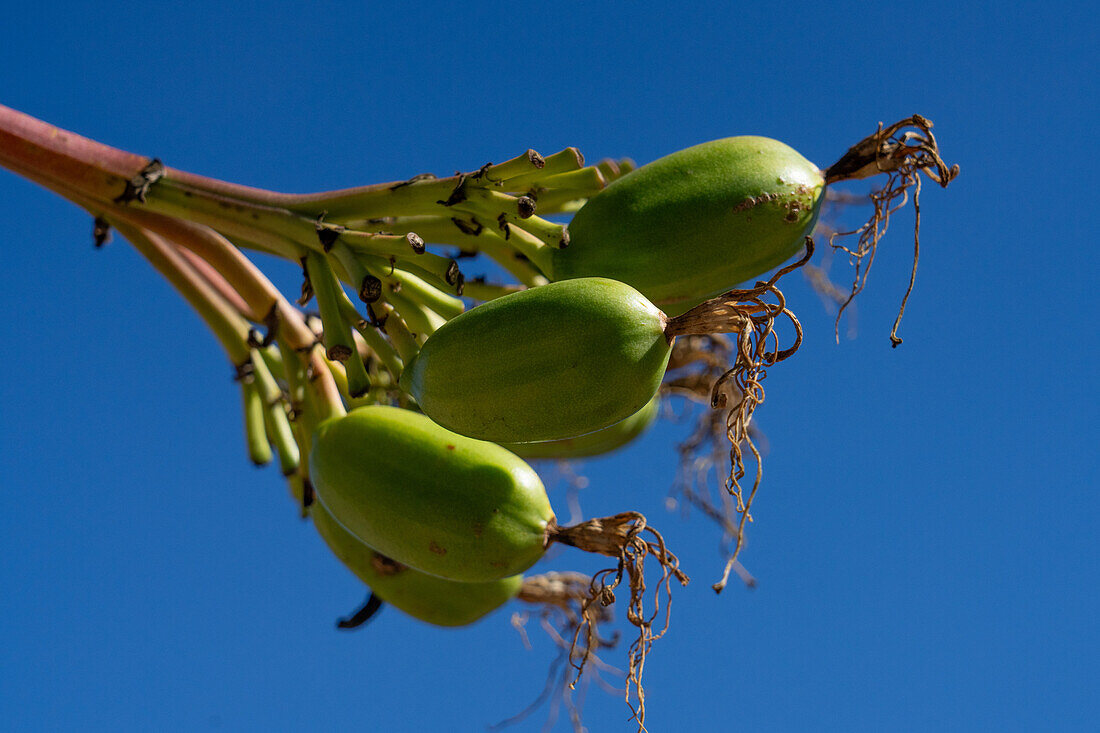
x=483, y=172
x=271, y=321
x=307, y=291
x=458, y=194
x=472, y=227
x=339, y=352
x=307, y=494
x=453, y=275
x=328, y=234
x=101, y=232
x=416, y=242
x=370, y=290
x=526, y=206
x=138, y=186
x=384, y=565
x=243, y=371
x=415, y=179
x=374, y=320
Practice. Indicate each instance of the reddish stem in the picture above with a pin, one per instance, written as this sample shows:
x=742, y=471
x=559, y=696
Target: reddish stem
x=101, y=171
x=95, y=169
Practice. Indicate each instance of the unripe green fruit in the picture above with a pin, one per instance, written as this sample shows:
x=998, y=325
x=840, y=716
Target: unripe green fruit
x=552, y=362
x=697, y=222
x=436, y=600
x=598, y=443
x=439, y=502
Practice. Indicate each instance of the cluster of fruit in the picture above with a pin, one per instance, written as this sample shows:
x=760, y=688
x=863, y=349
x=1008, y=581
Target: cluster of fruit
x=403, y=424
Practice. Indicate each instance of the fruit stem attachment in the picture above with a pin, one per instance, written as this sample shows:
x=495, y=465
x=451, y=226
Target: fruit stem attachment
x=902, y=154
x=887, y=152
x=362, y=615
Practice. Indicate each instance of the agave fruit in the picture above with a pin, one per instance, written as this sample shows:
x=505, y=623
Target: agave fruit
x=426, y=597
x=697, y=222
x=550, y=363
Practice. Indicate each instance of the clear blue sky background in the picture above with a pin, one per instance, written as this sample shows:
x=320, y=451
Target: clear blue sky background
x=924, y=540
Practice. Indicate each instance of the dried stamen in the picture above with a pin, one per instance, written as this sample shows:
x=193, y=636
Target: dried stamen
x=902, y=155
x=559, y=598
x=751, y=319
x=622, y=537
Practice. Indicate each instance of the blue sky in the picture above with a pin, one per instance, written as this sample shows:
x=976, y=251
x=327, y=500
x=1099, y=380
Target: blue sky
x=923, y=540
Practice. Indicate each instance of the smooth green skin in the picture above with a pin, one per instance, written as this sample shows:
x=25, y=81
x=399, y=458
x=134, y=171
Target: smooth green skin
x=436, y=501
x=598, y=443
x=435, y=600
x=685, y=227
x=552, y=362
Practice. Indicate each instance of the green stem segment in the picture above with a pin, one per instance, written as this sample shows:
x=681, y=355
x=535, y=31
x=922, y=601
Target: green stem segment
x=275, y=418
x=288, y=224
x=94, y=176
x=469, y=234
x=403, y=340
x=259, y=450
x=339, y=342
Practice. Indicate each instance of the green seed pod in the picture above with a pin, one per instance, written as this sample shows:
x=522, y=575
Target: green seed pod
x=439, y=502
x=598, y=443
x=552, y=362
x=426, y=597
x=697, y=222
